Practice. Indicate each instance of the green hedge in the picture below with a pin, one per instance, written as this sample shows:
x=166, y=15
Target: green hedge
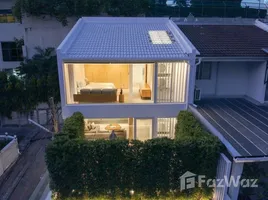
x=188, y=126
x=81, y=168
x=74, y=126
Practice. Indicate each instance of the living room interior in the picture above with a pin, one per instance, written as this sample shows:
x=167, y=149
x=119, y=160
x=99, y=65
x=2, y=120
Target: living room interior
x=109, y=83
x=122, y=127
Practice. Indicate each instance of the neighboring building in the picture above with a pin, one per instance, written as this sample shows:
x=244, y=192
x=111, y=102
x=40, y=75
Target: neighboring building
x=131, y=75
x=35, y=31
x=232, y=78
x=43, y=32
x=10, y=53
x=233, y=55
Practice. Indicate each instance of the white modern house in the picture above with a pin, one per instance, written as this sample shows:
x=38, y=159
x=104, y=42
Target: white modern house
x=130, y=75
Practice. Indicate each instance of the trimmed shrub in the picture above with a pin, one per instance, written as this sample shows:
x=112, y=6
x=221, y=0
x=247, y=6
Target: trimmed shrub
x=188, y=126
x=74, y=126
x=91, y=169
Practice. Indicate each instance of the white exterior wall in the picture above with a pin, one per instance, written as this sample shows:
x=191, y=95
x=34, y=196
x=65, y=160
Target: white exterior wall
x=232, y=79
x=161, y=110
x=6, y=4
x=256, y=86
x=47, y=32
x=227, y=79
x=8, y=31
x=208, y=87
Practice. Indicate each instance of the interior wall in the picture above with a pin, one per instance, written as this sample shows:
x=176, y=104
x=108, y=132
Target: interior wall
x=67, y=83
x=232, y=79
x=138, y=71
x=256, y=87
x=118, y=74
x=79, y=76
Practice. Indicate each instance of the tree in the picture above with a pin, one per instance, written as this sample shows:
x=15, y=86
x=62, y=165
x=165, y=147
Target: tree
x=40, y=77
x=14, y=98
x=210, y=3
x=61, y=9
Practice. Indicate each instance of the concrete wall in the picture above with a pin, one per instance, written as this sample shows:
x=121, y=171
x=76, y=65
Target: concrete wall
x=227, y=79
x=44, y=32
x=232, y=79
x=8, y=154
x=6, y=4
x=256, y=87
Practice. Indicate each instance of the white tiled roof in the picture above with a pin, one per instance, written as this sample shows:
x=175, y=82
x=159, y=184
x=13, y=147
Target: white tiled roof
x=122, y=39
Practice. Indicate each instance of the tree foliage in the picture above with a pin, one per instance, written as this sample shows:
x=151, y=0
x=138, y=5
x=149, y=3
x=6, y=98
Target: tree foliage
x=61, y=9
x=40, y=76
x=74, y=126
x=80, y=168
x=152, y=168
x=36, y=80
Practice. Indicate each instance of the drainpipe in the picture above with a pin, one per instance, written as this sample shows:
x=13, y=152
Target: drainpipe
x=198, y=61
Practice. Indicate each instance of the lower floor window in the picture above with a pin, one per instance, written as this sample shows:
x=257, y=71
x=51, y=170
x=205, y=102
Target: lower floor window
x=166, y=127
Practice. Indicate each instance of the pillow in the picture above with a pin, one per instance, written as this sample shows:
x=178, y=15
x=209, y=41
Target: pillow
x=89, y=126
x=93, y=125
x=86, y=81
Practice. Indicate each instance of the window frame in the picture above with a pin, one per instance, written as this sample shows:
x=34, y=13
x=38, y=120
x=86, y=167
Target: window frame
x=11, y=52
x=199, y=71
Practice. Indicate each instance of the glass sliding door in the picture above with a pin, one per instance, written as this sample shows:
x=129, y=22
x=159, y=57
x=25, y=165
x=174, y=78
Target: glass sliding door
x=166, y=127
x=143, y=129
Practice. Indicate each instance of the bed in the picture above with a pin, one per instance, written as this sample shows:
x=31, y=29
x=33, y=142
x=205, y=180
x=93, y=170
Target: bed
x=97, y=93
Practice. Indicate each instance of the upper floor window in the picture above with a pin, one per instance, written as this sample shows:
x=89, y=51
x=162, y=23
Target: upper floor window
x=11, y=51
x=203, y=71
x=6, y=16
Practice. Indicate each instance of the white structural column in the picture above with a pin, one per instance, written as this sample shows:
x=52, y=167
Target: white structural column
x=154, y=128
x=155, y=82
x=191, y=77
x=237, y=169
x=130, y=94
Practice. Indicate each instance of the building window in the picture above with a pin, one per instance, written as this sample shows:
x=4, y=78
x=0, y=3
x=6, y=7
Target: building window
x=11, y=51
x=6, y=16
x=172, y=82
x=203, y=71
x=166, y=127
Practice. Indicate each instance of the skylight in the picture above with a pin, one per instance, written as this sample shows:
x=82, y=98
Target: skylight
x=160, y=37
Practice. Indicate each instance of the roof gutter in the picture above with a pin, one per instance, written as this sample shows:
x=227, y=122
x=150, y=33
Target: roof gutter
x=111, y=60
x=198, y=61
x=251, y=159
x=234, y=59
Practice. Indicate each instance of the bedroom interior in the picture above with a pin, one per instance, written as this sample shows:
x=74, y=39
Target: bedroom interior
x=109, y=83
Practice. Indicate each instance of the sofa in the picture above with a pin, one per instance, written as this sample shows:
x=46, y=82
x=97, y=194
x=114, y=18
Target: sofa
x=94, y=131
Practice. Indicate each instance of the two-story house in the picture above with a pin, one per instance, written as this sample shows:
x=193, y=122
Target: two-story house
x=130, y=75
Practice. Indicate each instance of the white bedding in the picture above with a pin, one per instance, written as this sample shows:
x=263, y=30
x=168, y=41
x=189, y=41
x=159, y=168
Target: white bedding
x=98, y=88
